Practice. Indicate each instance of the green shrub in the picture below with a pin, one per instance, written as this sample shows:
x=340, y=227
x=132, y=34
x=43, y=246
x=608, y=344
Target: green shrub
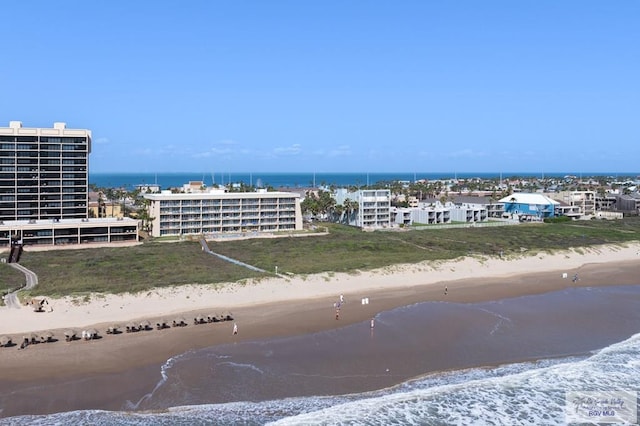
x=557, y=219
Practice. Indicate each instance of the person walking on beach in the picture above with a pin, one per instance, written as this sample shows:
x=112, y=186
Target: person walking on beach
x=235, y=328
x=341, y=299
x=373, y=323
x=337, y=313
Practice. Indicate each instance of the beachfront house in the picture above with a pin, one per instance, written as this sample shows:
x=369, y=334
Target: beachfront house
x=528, y=206
x=424, y=214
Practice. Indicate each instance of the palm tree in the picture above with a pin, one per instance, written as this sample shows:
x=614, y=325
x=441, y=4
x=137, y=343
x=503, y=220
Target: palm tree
x=350, y=207
x=143, y=213
x=110, y=194
x=102, y=209
x=122, y=196
x=338, y=211
x=326, y=202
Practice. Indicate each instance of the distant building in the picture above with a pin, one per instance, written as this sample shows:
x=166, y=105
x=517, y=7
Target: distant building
x=44, y=189
x=628, y=203
x=43, y=172
x=68, y=231
x=372, y=207
x=468, y=213
x=563, y=209
x=219, y=212
x=432, y=212
x=585, y=201
x=146, y=188
x=426, y=213
x=488, y=205
x=606, y=202
x=528, y=206
x=99, y=206
x=194, y=186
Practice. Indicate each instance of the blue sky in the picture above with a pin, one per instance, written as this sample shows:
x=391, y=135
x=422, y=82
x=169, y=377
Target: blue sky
x=331, y=86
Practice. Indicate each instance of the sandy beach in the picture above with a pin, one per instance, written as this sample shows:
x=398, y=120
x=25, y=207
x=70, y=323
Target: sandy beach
x=284, y=306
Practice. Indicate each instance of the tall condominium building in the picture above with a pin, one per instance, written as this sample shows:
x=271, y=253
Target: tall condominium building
x=43, y=172
x=217, y=212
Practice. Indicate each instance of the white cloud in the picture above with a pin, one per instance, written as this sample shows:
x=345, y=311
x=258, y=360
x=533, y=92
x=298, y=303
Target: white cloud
x=144, y=151
x=340, y=151
x=101, y=141
x=294, y=149
x=466, y=153
x=223, y=147
x=205, y=154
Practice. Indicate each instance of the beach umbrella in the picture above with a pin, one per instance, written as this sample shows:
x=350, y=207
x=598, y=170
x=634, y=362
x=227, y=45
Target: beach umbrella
x=113, y=329
x=5, y=340
x=227, y=316
x=47, y=336
x=70, y=335
x=92, y=333
x=179, y=322
x=160, y=324
x=145, y=325
x=199, y=319
x=131, y=326
x=30, y=338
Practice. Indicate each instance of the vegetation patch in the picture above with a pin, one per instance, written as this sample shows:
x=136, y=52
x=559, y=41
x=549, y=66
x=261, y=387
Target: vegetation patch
x=345, y=249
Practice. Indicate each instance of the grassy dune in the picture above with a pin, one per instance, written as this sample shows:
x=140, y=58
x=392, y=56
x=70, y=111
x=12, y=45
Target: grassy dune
x=345, y=249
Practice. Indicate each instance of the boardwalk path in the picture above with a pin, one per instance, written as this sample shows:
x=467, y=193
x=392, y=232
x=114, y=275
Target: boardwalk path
x=206, y=249
x=11, y=299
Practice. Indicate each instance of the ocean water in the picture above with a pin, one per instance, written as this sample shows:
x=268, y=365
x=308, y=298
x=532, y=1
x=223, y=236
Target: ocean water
x=294, y=180
x=527, y=392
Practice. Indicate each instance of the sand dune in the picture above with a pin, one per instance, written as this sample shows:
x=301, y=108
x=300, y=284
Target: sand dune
x=98, y=308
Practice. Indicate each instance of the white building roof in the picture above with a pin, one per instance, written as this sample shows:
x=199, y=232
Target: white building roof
x=528, y=198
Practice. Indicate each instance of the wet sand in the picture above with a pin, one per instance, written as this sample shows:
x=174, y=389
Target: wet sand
x=105, y=373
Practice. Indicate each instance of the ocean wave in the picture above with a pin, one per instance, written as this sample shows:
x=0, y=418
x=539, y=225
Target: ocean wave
x=514, y=394
x=524, y=393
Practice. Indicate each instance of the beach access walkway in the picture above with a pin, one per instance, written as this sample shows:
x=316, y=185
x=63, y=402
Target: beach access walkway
x=11, y=299
x=206, y=249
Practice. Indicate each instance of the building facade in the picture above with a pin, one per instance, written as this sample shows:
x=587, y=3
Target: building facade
x=217, y=212
x=629, y=203
x=43, y=172
x=68, y=231
x=425, y=214
x=529, y=206
x=435, y=213
x=585, y=201
x=44, y=189
x=373, y=207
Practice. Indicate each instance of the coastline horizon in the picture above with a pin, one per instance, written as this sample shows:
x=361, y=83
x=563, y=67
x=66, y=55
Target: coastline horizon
x=305, y=179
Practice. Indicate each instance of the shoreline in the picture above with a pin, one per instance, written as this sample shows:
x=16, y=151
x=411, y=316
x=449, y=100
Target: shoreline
x=170, y=302
x=270, y=314
x=130, y=363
